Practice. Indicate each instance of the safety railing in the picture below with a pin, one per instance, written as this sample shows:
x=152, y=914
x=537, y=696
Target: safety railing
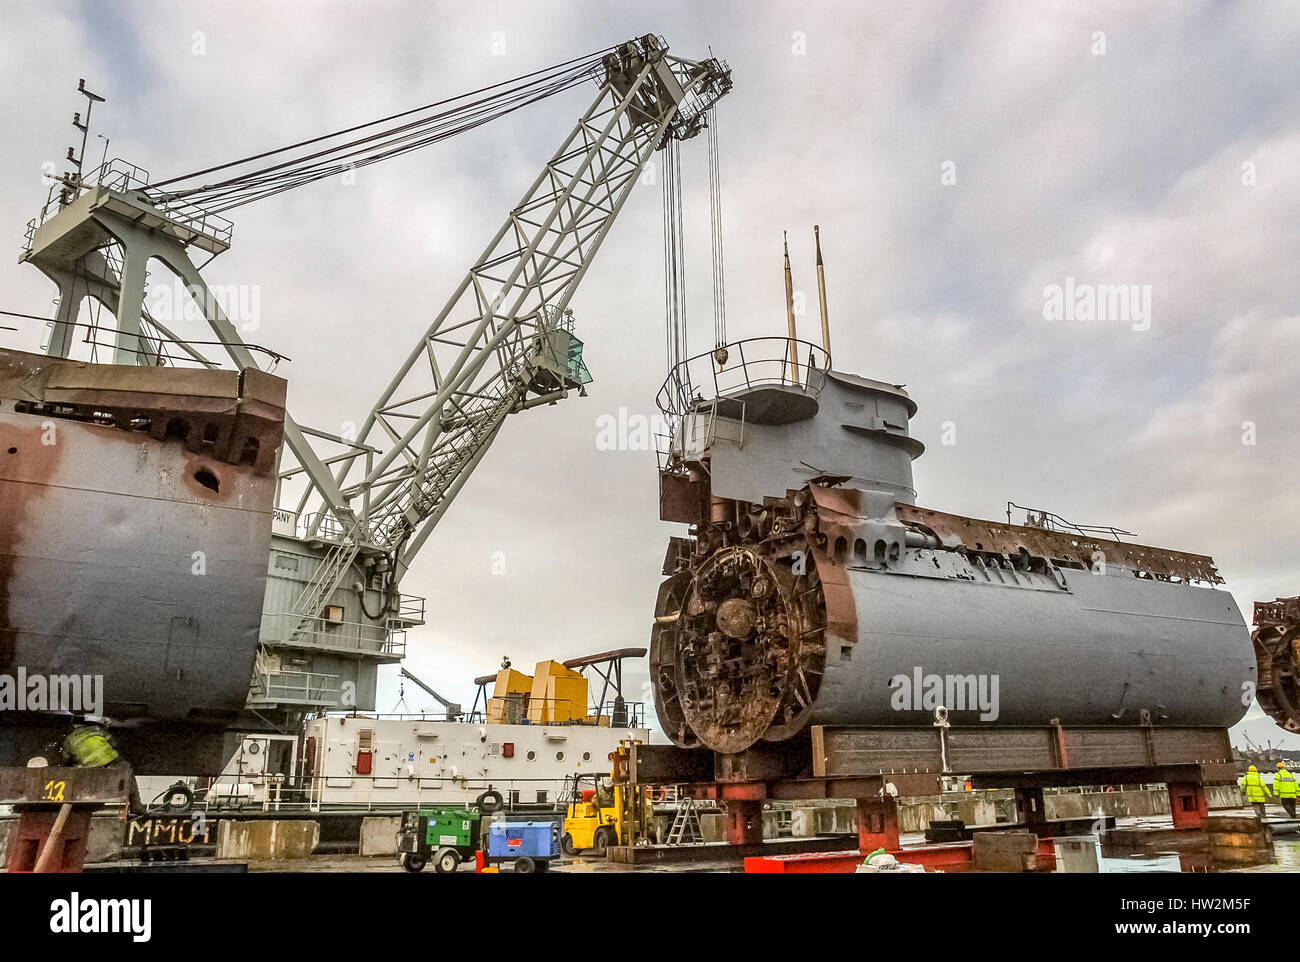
x=387, y=792
x=410, y=611
x=349, y=636
x=289, y=687
x=124, y=177
x=327, y=526
x=698, y=429
x=307, y=792
x=739, y=367
x=516, y=709
x=633, y=716
x=1049, y=521
x=121, y=176
x=628, y=714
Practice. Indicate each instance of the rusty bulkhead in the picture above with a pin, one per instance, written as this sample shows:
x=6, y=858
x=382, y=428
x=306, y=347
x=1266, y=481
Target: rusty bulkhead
x=812, y=590
x=136, y=506
x=1277, y=652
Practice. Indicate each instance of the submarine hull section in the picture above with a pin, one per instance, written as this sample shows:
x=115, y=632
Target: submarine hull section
x=1104, y=650
x=840, y=607
x=136, y=506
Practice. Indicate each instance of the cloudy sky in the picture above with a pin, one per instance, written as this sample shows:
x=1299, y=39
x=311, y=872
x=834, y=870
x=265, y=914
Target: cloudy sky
x=960, y=158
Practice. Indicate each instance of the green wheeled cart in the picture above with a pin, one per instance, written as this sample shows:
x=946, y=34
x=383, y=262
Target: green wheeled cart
x=445, y=835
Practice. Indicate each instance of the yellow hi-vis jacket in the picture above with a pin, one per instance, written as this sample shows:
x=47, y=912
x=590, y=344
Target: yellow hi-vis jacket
x=89, y=747
x=1285, y=785
x=1254, y=787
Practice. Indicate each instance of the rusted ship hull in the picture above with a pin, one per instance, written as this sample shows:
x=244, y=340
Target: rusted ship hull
x=135, y=521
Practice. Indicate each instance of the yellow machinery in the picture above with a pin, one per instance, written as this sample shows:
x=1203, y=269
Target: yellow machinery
x=557, y=693
x=508, y=705
x=605, y=810
x=552, y=695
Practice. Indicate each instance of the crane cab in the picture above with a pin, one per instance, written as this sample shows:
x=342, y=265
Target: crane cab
x=555, y=360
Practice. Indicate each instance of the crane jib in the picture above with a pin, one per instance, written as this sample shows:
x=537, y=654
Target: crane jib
x=355, y=506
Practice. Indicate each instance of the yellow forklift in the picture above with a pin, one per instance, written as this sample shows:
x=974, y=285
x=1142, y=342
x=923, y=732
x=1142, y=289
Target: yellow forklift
x=605, y=810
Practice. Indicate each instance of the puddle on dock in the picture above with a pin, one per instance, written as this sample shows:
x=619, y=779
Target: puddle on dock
x=1088, y=853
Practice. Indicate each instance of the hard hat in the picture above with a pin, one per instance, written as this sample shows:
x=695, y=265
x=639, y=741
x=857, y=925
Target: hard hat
x=1253, y=768
x=1281, y=764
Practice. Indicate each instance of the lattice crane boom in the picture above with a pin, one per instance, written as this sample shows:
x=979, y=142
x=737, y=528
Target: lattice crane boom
x=504, y=341
x=361, y=504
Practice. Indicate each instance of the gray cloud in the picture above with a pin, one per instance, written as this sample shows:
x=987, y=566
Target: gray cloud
x=1122, y=168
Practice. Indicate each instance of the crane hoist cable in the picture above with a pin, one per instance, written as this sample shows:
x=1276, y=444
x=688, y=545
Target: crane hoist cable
x=674, y=264
x=419, y=127
x=677, y=347
x=715, y=212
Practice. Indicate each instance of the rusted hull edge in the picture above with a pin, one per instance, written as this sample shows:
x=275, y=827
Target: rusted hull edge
x=135, y=523
x=1061, y=547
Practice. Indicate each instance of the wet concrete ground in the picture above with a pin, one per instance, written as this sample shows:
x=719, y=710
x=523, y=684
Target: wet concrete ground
x=1286, y=853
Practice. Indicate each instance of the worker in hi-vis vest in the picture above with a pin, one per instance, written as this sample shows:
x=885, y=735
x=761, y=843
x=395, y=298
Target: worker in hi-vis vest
x=1255, y=789
x=88, y=746
x=1285, y=788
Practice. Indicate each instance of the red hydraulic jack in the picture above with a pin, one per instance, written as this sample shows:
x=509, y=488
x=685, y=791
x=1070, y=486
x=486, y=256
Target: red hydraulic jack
x=744, y=813
x=1189, y=804
x=877, y=829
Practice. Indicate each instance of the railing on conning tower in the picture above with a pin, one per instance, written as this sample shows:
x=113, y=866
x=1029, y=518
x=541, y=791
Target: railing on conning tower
x=731, y=371
x=742, y=366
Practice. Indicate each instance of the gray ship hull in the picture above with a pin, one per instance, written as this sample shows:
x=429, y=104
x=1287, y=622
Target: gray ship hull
x=135, y=522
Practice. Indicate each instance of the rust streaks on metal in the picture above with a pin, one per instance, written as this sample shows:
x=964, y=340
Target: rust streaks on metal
x=1276, y=640
x=26, y=465
x=841, y=608
x=235, y=416
x=1059, y=547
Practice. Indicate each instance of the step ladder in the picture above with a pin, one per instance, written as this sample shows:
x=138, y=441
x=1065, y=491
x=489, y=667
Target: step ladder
x=686, y=825
x=329, y=575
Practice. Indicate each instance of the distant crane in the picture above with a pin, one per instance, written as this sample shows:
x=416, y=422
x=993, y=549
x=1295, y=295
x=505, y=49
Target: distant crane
x=452, y=708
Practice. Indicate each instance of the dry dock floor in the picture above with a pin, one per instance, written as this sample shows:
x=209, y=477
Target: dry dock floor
x=1156, y=859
